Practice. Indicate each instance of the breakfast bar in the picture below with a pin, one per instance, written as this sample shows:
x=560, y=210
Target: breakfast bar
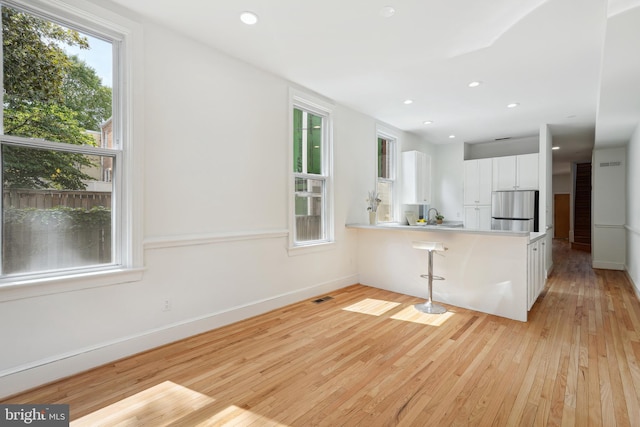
x=486, y=271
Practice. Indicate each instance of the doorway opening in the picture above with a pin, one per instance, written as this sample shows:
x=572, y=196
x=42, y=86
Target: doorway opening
x=582, y=208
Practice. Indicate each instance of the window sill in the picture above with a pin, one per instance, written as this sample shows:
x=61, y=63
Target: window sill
x=311, y=248
x=15, y=289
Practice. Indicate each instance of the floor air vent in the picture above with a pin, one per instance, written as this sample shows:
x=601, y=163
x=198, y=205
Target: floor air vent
x=323, y=299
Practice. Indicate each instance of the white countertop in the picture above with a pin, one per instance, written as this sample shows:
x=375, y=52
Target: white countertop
x=447, y=229
x=536, y=236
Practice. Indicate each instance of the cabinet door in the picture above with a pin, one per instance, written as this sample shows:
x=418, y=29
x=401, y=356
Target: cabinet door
x=471, y=182
x=484, y=217
x=416, y=178
x=527, y=167
x=477, y=217
x=477, y=182
x=471, y=217
x=484, y=181
x=424, y=176
x=542, y=269
x=504, y=173
x=533, y=276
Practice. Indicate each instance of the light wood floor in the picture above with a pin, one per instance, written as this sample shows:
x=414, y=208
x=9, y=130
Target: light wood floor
x=367, y=358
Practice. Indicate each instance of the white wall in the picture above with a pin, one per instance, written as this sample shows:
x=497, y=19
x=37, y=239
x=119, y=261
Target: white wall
x=562, y=183
x=545, y=179
x=215, y=219
x=509, y=147
x=412, y=141
x=632, y=262
x=609, y=209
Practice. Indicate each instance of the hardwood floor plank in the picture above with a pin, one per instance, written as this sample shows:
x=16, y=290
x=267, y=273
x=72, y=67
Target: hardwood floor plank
x=367, y=357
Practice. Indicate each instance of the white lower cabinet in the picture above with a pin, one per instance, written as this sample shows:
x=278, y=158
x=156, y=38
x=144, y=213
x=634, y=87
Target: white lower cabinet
x=535, y=271
x=477, y=217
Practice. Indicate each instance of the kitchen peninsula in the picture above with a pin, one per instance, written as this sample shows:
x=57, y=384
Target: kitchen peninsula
x=495, y=272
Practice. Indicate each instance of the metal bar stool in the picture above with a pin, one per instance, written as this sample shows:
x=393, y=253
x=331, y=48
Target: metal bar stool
x=429, y=306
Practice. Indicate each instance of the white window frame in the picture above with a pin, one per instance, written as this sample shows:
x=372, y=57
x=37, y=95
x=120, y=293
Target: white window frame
x=314, y=105
x=389, y=135
x=126, y=36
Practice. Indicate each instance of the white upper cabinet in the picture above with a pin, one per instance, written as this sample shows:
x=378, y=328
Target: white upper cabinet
x=477, y=182
x=416, y=178
x=527, y=172
x=504, y=173
x=515, y=172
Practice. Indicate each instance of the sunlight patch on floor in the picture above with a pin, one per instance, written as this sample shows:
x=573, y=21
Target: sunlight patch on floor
x=235, y=416
x=159, y=405
x=168, y=404
x=410, y=314
x=373, y=307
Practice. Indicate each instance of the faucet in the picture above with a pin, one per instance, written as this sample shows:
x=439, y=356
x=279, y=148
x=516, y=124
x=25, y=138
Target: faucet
x=429, y=220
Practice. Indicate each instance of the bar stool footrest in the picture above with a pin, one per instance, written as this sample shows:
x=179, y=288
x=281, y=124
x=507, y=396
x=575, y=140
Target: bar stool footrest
x=426, y=276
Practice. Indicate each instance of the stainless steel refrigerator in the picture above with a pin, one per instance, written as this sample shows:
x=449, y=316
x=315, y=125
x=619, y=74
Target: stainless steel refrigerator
x=514, y=210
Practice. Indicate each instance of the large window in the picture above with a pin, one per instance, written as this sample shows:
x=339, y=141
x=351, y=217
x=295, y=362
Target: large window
x=386, y=182
x=61, y=150
x=311, y=174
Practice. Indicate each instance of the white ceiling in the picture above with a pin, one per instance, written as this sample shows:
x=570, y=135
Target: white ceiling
x=546, y=55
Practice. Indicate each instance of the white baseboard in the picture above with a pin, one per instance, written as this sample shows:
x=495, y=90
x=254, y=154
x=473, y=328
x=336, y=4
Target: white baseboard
x=44, y=371
x=607, y=265
x=549, y=271
x=633, y=284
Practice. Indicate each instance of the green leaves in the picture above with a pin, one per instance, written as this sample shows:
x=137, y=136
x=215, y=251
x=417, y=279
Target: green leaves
x=51, y=96
x=34, y=63
x=43, y=169
x=85, y=94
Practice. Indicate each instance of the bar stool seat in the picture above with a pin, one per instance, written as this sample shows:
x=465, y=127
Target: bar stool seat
x=429, y=306
x=429, y=246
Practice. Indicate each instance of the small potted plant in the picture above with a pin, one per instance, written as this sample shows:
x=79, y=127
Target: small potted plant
x=373, y=201
x=439, y=219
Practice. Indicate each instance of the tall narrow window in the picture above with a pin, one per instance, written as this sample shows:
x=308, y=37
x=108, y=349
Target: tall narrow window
x=386, y=179
x=59, y=147
x=311, y=172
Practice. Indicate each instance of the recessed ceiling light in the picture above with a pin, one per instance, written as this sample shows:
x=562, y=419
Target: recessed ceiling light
x=555, y=148
x=475, y=84
x=512, y=105
x=408, y=101
x=249, y=18
x=387, y=12
x=427, y=122
x=452, y=136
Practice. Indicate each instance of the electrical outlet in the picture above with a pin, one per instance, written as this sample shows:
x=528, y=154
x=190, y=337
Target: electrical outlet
x=166, y=305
